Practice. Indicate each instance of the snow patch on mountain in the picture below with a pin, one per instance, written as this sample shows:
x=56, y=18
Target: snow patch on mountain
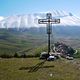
x=1, y=18
x=31, y=20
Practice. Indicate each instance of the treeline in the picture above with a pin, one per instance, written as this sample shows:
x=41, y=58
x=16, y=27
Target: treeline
x=16, y=55
x=23, y=54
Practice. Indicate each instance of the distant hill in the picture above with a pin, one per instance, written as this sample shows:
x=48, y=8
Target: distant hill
x=13, y=40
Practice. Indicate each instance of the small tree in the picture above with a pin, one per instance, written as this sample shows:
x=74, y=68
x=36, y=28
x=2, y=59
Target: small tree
x=23, y=55
x=16, y=55
x=6, y=56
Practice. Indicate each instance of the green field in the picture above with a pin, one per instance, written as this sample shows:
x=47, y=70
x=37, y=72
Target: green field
x=12, y=42
x=35, y=69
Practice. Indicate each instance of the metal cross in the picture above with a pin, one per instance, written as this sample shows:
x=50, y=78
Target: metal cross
x=49, y=21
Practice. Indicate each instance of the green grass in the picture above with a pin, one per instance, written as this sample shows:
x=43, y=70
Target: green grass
x=77, y=55
x=11, y=42
x=32, y=69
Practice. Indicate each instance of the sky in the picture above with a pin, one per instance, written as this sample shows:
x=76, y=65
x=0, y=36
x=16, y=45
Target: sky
x=12, y=7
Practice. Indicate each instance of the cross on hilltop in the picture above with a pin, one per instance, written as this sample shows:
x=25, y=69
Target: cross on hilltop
x=49, y=21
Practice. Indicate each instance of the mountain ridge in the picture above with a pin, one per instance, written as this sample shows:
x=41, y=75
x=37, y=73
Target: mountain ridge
x=31, y=20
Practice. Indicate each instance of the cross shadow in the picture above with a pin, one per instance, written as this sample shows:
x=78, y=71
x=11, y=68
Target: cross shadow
x=36, y=67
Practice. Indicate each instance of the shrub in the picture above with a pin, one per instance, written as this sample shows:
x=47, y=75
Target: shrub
x=23, y=55
x=77, y=55
x=29, y=56
x=37, y=55
x=6, y=56
x=16, y=55
x=38, y=50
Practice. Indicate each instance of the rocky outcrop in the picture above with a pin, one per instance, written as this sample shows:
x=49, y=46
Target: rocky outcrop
x=62, y=48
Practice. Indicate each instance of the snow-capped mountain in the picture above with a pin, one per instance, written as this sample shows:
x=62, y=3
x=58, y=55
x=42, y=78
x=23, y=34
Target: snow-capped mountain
x=31, y=20
x=1, y=18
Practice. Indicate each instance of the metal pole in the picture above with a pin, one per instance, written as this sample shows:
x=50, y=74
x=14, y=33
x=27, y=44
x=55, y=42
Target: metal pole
x=48, y=16
x=48, y=44
x=49, y=32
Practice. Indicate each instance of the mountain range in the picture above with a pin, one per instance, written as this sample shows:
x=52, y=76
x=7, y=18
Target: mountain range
x=31, y=20
x=69, y=26
x=20, y=32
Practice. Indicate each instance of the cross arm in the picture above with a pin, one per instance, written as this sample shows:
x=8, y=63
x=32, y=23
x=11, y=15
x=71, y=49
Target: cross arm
x=42, y=21
x=55, y=21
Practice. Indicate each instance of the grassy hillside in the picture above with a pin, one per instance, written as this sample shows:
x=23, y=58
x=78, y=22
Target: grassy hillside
x=35, y=69
x=12, y=42
x=29, y=41
x=16, y=41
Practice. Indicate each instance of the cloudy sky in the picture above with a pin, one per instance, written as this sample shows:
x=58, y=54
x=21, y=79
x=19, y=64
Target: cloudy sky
x=12, y=7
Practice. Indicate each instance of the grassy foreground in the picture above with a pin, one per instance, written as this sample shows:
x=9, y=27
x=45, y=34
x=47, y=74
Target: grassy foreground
x=35, y=69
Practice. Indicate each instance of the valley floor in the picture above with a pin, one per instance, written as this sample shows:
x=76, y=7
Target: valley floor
x=35, y=69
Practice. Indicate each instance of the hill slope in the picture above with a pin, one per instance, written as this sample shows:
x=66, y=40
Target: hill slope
x=35, y=69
